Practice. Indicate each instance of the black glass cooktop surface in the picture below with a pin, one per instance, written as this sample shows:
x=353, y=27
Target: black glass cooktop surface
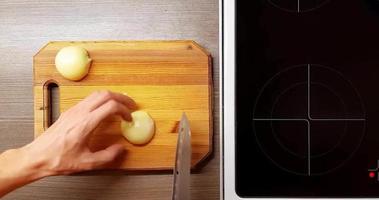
x=307, y=98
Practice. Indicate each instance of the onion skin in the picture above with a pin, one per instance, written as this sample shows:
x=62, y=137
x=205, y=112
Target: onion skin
x=73, y=62
x=140, y=130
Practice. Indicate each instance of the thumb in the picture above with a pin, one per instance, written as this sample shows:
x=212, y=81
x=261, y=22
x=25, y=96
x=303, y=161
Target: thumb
x=102, y=157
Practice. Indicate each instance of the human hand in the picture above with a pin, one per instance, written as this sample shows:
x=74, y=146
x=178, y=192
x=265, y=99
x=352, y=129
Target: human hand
x=63, y=148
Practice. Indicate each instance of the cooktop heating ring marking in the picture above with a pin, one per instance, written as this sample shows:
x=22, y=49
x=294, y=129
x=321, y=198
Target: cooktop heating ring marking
x=298, y=7
x=310, y=118
x=308, y=139
x=309, y=102
x=309, y=146
x=335, y=94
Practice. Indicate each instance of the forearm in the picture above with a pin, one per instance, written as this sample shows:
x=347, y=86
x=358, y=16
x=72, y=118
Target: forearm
x=18, y=169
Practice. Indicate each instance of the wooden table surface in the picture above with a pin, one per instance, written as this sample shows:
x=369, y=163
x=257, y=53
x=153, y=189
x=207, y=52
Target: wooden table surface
x=25, y=26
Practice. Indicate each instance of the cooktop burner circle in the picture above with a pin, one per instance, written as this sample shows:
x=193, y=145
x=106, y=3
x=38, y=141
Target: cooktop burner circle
x=337, y=103
x=315, y=123
x=298, y=6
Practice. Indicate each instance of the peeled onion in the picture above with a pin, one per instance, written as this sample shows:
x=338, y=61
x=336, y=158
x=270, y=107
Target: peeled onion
x=140, y=130
x=73, y=62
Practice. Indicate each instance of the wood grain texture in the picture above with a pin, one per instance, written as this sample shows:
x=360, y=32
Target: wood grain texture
x=26, y=25
x=165, y=78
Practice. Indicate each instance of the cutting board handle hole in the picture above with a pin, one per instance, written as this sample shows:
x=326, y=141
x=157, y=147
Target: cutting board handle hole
x=50, y=103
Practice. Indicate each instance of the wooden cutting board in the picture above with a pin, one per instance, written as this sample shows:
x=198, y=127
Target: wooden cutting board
x=165, y=78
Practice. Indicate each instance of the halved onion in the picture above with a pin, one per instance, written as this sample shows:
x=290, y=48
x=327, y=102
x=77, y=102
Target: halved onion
x=140, y=130
x=73, y=62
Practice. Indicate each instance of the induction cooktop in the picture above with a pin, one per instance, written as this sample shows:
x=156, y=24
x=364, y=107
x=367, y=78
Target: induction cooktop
x=307, y=98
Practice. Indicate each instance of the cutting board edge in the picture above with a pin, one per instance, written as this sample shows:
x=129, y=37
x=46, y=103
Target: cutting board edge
x=202, y=162
x=123, y=41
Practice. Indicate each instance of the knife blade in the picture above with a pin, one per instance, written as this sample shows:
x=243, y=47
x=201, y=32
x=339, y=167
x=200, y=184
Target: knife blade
x=182, y=170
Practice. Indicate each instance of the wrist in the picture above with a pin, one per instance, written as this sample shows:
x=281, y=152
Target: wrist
x=37, y=165
x=16, y=170
x=28, y=167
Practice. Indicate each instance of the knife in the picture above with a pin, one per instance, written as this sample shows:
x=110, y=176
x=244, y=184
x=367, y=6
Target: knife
x=182, y=170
